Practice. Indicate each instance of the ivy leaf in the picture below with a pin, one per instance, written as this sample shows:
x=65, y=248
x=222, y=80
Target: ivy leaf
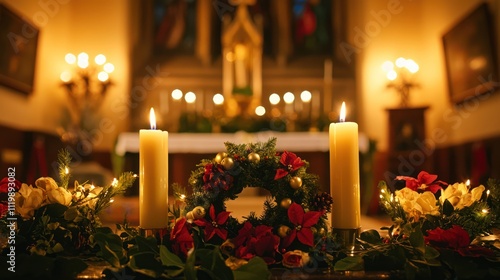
x=431, y=256
x=189, y=269
x=256, y=268
x=111, y=248
x=174, y=264
x=147, y=244
x=55, y=210
x=146, y=263
x=212, y=260
x=447, y=208
x=417, y=240
x=105, y=230
x=371, y=236
x=349, y=263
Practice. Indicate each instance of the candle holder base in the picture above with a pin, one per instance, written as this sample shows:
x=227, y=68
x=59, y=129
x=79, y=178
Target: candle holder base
x=156, y=232
x=348, y=239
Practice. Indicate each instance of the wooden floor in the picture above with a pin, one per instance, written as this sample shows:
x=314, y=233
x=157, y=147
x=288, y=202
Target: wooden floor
x=129, y=207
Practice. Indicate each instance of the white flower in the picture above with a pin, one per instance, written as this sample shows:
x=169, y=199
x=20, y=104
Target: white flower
x=46, y=184
x=59, y=195
x=28, y=199
x=459, y=196
x=417, y=204
x=86, y=194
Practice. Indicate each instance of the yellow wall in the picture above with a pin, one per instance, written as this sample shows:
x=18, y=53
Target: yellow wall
x=413, y=29
x=73, y=26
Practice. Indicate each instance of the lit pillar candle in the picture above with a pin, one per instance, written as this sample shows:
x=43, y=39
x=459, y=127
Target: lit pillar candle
x=153, y=176
x=344, y=173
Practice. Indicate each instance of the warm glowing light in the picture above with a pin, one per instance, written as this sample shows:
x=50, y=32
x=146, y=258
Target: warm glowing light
x=391, y=75
x=111, y=200
x=218, y=99
x=260, y=111
x=92, y=187
x=487, y=194
x=400, y=62
x=70, y=58
x=102, y=76
x=342, y=112
x=485, y=211
x=108, y=67
x=66, y=170
x=182, y=197
x=190, y=97
x=380, y=196
x=66, y=76
x=177, y=94
x=152, y=118
x=288, y=97
x=274, y=98
x=467, y=183
x=387, y=66
x=412, y=66
x=115, y=181
x=382, y=191
x=83, y=64
x=100, y=59
x=392, y=198
x=230, y=56
x=305, y=96
x=83, y=60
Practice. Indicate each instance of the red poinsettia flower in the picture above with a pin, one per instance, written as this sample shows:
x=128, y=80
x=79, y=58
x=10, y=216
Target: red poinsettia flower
x=214, y=226
x=303, y=223
x=457, y=239
x=476, y=251
x=182, y=241
x=290, y=162
x=216, y=178
x=259, y=241
x=424, y=182
x=4, y=185
x=453, y=238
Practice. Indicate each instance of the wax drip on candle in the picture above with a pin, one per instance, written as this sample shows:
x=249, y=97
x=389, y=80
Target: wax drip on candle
x=152, y=118
x=342, y=112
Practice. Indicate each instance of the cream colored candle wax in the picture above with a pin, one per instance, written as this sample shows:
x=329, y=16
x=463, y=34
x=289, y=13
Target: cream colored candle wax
x=344, y=173
x=153, y=177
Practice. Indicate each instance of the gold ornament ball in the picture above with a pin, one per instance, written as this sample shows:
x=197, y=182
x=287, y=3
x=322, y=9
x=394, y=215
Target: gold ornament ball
x=198, y=212
x=220, y=156
x=254, y=157
x=286, y=202
x=283, y=231
x=228, y=163
x=296, y=182
x=189, y=215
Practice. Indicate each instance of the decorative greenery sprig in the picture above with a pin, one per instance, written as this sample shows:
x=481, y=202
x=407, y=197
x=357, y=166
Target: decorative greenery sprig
x=64, y=160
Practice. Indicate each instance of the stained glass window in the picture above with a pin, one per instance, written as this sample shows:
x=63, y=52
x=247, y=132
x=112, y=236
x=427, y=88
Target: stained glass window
x=311, y=26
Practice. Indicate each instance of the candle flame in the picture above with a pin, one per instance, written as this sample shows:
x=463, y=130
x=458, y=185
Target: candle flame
x=467, y=183
x=152, y=118
x=342, y=112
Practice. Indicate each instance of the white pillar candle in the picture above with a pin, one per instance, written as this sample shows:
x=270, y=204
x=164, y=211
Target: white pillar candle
x=344, y=173
x=153, y=177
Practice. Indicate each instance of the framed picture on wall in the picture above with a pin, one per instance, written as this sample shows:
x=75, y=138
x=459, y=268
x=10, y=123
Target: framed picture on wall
x=470, y=56
x=18, y=46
